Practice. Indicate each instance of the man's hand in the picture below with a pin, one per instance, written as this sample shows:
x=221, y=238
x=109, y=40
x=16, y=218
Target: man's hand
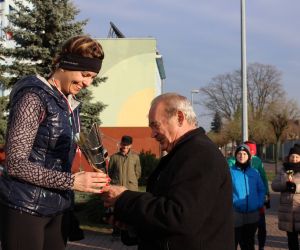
x=110, y=194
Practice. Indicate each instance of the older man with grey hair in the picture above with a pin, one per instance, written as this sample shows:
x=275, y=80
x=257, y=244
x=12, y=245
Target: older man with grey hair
x=188, y=201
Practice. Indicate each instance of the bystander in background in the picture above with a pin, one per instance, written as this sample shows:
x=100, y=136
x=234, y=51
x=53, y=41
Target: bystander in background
x=257, y=163
x=124, y=168
x=248, y=198
x=287, y=182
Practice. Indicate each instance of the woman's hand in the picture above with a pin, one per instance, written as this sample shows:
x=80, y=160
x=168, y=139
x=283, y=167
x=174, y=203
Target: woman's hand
x=91, y=182
x=290, y=178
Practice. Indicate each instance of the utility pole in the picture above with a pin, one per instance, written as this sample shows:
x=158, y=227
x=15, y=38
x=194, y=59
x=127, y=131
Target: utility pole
x=244, y=72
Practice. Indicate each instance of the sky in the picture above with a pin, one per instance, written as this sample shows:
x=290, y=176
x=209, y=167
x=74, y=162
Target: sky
x=200, y=39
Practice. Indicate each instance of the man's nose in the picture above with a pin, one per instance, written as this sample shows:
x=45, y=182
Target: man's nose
x=153, y=133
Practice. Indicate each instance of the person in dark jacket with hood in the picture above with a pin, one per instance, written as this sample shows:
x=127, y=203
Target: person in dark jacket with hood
x=37, y=187
x=188, y=202
x=287, y=182
x=248, y=198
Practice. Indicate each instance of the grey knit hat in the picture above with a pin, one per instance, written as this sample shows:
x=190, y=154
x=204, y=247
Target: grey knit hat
x=243, y=147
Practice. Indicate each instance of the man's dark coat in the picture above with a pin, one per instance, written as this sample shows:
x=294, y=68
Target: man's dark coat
x=188, y=203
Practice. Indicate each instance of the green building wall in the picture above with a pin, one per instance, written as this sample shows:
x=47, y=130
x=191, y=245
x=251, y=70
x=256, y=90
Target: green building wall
x=132, y=81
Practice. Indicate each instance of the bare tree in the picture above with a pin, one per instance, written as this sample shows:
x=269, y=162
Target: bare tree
x=232, y=129
x=264, y=87
x=223, y=93
x=259, y=131
x=293, y=130
x=279, y=123
x=218, y=138
x=280, y=113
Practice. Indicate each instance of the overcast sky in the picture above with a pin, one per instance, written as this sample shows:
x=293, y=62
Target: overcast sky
x=200, y=39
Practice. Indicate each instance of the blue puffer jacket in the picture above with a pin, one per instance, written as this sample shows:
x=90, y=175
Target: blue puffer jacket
x=248, y=189
x=53, y=148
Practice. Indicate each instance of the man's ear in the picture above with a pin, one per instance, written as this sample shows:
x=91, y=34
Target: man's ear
x=180, y=118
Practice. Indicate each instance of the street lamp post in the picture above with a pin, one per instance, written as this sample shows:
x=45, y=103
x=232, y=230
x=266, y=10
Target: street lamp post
x=194, y=91
x=244, y=72
x=161, y=70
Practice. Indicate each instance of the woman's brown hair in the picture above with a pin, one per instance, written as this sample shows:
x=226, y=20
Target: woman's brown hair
x=80, y=45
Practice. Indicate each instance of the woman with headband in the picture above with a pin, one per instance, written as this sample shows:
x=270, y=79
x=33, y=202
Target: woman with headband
x=44, y=118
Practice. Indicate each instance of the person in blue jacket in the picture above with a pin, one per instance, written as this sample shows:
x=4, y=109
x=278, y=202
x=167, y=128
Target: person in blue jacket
x=248, y=197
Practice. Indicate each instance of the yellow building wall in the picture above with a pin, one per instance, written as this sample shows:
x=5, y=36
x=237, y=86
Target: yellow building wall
x=130, y=66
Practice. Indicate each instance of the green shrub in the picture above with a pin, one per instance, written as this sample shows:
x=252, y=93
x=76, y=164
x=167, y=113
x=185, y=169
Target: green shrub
x=89, y=208
x=148, y=163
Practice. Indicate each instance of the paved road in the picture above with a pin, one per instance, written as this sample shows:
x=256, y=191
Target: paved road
x=98, y=241
x=276, y=239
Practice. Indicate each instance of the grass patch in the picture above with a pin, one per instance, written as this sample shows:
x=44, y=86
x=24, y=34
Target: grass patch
x=97, y=228
x=89, y=210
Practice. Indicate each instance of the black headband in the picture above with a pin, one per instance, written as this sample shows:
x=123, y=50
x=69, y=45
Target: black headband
x=79, y=63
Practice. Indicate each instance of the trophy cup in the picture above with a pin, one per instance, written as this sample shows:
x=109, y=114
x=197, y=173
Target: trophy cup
x=290, y=174
x=92, y=147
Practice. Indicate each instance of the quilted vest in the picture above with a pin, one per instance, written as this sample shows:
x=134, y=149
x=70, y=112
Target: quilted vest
x=53, y=149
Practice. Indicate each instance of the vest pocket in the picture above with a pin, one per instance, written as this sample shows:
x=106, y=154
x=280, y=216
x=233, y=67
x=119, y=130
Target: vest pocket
x=22, y=192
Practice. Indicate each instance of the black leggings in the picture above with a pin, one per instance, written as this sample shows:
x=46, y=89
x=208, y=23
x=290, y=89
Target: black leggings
x=22, y=231
x=293, y=240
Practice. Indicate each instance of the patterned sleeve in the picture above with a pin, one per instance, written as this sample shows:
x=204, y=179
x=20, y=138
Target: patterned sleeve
x=22, y=131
